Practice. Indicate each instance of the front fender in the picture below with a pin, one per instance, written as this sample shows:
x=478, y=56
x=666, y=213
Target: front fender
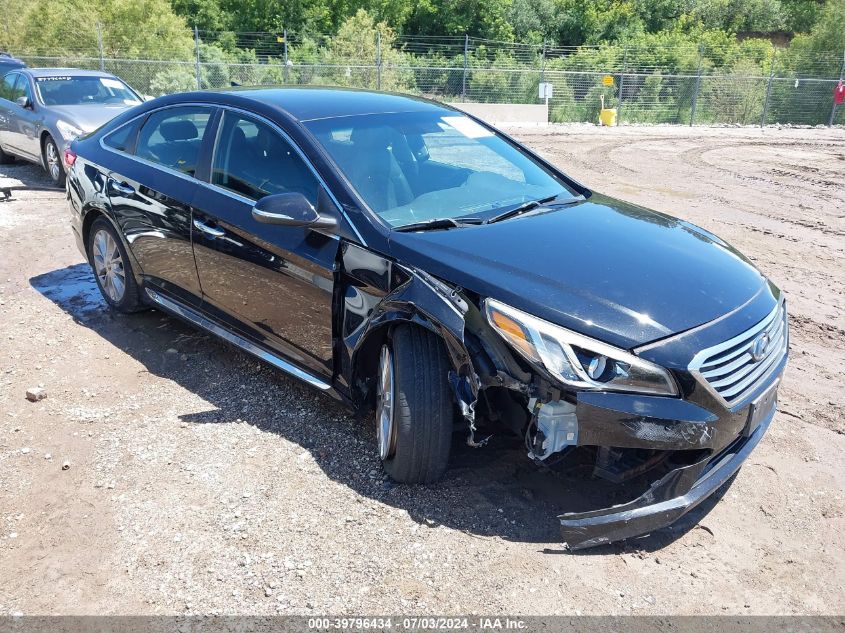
x=376, y=294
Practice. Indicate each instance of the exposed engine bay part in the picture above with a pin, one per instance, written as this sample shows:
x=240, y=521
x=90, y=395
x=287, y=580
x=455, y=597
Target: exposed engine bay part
x=556, y=428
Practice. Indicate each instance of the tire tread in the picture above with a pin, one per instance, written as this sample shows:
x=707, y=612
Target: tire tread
x=424, y=410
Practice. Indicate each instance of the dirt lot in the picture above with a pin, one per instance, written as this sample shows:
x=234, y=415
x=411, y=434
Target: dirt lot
x=200, y=481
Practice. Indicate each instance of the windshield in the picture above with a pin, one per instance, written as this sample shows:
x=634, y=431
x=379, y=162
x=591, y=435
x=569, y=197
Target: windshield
x=68, y=90
x=415, y=166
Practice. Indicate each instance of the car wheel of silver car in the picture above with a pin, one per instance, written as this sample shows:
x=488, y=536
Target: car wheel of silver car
x=53, y=162
x=415, y=410
x=112, y=268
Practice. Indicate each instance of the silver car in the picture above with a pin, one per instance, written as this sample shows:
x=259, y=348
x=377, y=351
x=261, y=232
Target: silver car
x=43, y=109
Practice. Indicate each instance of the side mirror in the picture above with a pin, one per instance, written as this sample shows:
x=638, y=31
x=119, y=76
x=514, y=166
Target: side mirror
x=147, y=97
x=290, y=209
x=24, y=102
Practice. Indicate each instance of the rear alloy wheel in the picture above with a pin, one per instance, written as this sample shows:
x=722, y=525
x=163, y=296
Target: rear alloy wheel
x=414, y=406
x=112, y=269
x=53, y=162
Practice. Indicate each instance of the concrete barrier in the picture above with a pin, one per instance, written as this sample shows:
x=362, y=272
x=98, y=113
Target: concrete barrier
x=510, y=113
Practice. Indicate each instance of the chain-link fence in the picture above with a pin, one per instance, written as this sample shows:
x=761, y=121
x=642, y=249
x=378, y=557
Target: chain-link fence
x=733, y=83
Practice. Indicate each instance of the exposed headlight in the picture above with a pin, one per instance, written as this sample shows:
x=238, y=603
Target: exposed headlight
x=574, y=359
x=68, y=131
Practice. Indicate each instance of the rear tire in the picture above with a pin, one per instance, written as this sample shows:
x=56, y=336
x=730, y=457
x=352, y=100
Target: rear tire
x=415, y=447
x=53, y=162
x=6, y=159
x=112, y=268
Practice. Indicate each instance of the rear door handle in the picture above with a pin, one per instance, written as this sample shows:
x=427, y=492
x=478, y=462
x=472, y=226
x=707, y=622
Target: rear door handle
x=121, y=188
x=208, y=230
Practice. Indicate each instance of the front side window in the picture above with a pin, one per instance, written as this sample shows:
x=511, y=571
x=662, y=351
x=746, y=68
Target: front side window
x=172, y=137
x=84, y=90
x=12, y=87
x=252, y=159
x=415, y=166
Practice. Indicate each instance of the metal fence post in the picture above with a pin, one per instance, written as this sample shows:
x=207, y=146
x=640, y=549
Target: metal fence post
x=466, y=62
x=543, y=66
x=378, y=60
x=833, y=109
x=768, y=90
x=100, y=47
x=697, y=85
x=285, y=38
x=622, y=85
x=197, y=50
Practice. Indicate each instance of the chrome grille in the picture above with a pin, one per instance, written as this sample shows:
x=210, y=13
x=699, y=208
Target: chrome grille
x=731, y=370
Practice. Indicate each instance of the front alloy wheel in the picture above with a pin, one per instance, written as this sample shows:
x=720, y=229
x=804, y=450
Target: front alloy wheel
x=384, y=404
x=53, y=162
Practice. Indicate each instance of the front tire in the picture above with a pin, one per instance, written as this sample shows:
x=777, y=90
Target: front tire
x=112, y=268
x=52, y=158
x=414, y=411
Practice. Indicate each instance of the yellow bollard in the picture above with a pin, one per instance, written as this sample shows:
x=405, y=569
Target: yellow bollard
x=607, y=116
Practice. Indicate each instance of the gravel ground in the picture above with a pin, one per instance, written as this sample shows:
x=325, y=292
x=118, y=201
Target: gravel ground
x=166, y=473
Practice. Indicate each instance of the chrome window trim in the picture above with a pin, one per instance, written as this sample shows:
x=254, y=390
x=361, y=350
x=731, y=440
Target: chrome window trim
x=218, y=188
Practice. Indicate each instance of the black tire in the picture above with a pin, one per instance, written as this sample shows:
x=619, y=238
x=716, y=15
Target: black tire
x=6, y=159
x=57, y=175
x=423, y=410
x=130, y=299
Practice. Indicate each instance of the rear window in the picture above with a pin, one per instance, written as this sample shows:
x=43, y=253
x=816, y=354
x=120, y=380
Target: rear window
x=172, y=137
x=123, y=138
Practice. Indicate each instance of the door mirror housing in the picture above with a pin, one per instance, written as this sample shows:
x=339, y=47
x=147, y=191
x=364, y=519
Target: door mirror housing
x=24, y=102
x=290, y=209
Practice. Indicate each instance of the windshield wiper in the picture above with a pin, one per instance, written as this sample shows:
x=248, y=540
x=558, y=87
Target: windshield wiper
x=439, y=223
x=528, y=206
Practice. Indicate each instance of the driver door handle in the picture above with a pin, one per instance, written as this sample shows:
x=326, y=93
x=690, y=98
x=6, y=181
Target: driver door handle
x=208, y=230
x=121, y=188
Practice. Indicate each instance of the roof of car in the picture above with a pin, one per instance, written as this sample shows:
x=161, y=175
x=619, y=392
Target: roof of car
x=308, y=104
x=65, y=72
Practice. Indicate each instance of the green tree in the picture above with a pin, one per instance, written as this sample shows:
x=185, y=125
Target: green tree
x=131, y=28
x=478, y=18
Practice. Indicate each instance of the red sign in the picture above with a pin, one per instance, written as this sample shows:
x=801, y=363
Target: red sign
x=839, y=93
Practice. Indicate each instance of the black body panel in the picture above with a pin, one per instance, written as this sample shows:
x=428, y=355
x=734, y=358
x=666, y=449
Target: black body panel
x=320, y=303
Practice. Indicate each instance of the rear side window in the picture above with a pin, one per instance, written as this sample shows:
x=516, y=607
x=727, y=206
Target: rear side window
x=254, y=160
x=123, y=138
x=11, y=87
x=173, y=137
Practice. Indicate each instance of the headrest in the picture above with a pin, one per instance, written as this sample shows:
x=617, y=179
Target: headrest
x=372, y=138
x=178, y=130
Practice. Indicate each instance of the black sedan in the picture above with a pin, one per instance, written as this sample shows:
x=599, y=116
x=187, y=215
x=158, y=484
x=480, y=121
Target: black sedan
x=402, y=256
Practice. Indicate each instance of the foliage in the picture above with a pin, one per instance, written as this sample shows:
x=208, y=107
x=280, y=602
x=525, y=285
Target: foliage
x=659, y=46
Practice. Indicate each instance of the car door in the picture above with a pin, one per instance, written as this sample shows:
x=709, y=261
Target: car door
x=21, y=135
x=150, y=185
x=272, y=282
x=7, y=85
x=11, y=88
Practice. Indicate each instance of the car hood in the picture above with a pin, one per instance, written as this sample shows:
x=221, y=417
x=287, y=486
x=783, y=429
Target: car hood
x=87, y=117
x=605, y=268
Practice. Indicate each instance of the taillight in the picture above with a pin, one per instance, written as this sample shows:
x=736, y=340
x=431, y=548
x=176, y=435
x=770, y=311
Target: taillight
x=70, y=157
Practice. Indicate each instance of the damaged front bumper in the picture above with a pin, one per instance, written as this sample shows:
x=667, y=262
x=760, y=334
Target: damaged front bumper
x=668, y=499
